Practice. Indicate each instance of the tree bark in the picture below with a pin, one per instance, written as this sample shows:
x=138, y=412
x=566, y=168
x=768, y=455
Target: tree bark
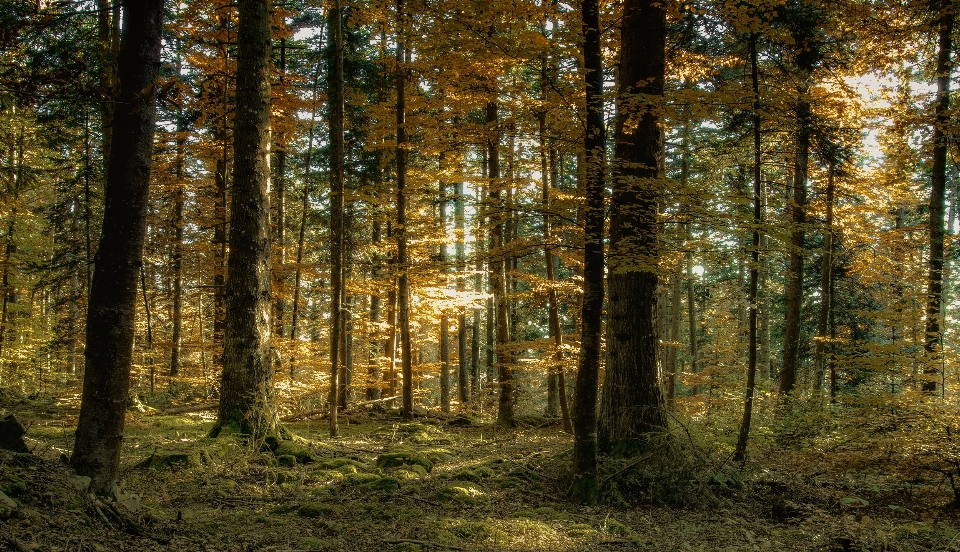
x=403, y=285
x=247, y=395
x=740, y=452
x=336, y=111
x=826, y=289
x=632, y=404
x=586, y=485
x=179, y=198
x=931, y=344
x=112, y=305
x=497, y=266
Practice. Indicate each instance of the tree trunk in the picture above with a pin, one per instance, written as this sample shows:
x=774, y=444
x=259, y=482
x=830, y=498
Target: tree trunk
x=632, y=405
x=931, y=344
x=376, y=350
x=444, y=315
x=247, y=395
x=586, y=485
x=112, y=306
x=459, y=220
x=403, y=285
x=740, y=452
x=498, y=272
x=179, y=195
x=279, y=304
x=826, y=288
x=336, y=111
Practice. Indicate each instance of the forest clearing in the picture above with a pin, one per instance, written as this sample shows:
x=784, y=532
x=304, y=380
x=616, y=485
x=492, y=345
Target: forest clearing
x=479, y=275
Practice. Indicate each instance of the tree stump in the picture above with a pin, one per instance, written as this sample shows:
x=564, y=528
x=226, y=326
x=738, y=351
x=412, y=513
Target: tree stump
x=11, y=433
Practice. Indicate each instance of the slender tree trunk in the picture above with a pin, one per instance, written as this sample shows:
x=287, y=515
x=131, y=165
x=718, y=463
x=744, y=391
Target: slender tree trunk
x=247, y=394
x=148, y=347
x=498, y=272
x=221, y=135
x=444, y=316
x=280, y=278
x=586, y=485
x=932, y=373
x=632, y=403
x=741, y=450
x=304, y=210
x=459, y=219
x=403, y=286
x=336, y=110
x=672, y=367
x=826, y=287
x=112, y=306
x=179, y=195
x=376, y=349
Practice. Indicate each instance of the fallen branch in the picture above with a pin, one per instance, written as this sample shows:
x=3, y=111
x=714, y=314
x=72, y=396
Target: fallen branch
x=185, y=409
x=633, y=464
x=423, y=543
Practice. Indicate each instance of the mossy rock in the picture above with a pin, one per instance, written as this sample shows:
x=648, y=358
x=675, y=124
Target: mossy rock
x=283, y=509
x=334, y=463
x=14, y=487
x=404, y=458
x=304, y=455
x=462, y=421
x=614, y=527
x=319, y=510
x=581, y=530
x=464, y=492
x=371, y=482
x=280, y=477
x=224, y=487
x=474, y=474
x=175, y=460
x=325, y=476
x=286, y=461
x=406, y=471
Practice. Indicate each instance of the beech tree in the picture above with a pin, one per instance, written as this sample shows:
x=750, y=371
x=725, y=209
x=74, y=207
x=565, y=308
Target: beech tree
x=112, y=305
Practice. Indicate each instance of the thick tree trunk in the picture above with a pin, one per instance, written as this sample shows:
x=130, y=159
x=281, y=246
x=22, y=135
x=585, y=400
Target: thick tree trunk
x=933, y=332
x=112, y=306
x=586, y=485
x=632, y=405
x=247, y=395
x=336, y=111
x=740, y=452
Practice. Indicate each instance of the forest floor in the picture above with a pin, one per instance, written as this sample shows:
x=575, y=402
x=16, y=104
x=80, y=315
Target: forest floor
x=437, y=483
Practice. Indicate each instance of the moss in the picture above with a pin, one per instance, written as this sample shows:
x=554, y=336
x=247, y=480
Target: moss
x=319, y=509
x=408, y=458
x=509, y=483
x=280, y=477
x=175, y=460
x=614, y=527
x=286, y=461
x=325, y=476
x=581, y=530
x=410, y=472
x=303, y=454
x=311, y=543
x=335, y=463
x=464, y=492
x=357, y=479
x=474, y=475
x=472, y=530
x=544, y=513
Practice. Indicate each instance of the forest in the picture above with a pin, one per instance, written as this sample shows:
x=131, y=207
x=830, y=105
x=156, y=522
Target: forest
x=419, y=275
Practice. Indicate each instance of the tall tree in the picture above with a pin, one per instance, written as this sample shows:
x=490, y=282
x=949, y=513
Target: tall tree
x=632, y=404
x=586, y=486
x=112, y=304
x=247, y=395
x=938, y=193
x=335, y=93
x=741, y=449
x=403, y=264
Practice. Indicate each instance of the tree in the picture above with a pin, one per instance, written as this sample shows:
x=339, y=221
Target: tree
x=931, y=342
x=631, y=405
x=112, y=306
x=247, y=396
x=586, y=486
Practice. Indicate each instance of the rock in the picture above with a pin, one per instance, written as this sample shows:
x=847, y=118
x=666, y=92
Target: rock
x=81, y=483
x=7, y=506
x=11, y=433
